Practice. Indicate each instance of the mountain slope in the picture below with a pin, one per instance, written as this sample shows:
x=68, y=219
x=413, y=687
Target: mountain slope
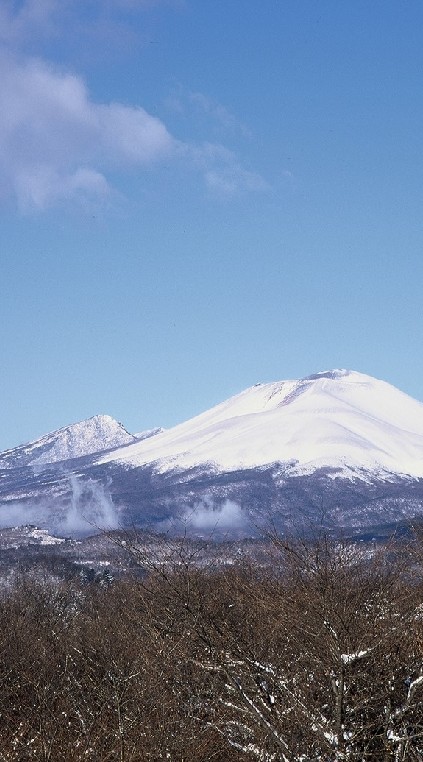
x=344, y=420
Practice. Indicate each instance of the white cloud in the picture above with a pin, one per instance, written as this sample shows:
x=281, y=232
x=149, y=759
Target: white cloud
x=131, y=134
x=56, y=142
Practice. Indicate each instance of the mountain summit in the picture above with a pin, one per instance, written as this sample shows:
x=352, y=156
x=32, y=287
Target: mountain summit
x=344, y=420
x=94, y=435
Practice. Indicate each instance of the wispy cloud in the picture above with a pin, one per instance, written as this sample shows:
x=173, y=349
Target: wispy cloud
x=234, y=179
x=191, y=103
x=223, y=172
x=217, y=112
x=56, y=142
x=29, y=20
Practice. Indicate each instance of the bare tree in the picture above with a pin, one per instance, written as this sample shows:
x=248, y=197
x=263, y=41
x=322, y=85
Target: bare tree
x=315, y=654
x=316, y=657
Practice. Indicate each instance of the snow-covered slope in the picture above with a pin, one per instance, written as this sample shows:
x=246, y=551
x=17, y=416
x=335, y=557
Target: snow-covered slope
x=342, y=419
x=96, y=434
x=148, y=433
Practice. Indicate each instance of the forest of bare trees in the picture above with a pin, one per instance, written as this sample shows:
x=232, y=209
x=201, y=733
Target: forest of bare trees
x=316, y=654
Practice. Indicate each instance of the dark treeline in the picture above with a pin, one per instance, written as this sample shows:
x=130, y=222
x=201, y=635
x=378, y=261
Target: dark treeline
x=316, y=655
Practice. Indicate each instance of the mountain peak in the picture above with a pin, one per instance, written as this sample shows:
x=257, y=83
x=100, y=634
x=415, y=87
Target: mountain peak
x=92, y=435
x=341, y=419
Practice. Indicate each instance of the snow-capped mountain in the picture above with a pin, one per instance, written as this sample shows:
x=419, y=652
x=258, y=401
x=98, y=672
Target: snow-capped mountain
x=337, y=448
x=94, y=435
x=344, y=420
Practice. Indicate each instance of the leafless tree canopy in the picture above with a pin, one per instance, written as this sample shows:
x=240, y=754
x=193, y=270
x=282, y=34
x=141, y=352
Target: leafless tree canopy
x=315, y=655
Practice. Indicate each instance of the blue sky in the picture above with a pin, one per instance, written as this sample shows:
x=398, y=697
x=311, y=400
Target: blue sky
x=197, y=196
